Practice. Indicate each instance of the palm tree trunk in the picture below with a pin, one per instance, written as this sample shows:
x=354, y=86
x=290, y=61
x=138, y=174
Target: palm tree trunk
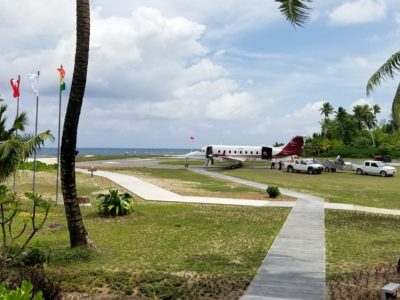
x=77, y=232
x=372, y=137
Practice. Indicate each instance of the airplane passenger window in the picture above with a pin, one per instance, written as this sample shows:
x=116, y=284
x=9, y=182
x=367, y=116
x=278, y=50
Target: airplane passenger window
x=229, y=151
x=235, y=152
x=240, y=152
x=245, y=152
x=251, y=152
x=257, y=152
x=219, y=151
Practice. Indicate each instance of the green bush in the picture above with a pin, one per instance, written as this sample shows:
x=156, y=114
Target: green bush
x=115, y=204
x=40, y=166
x=273, y=191
x=22, y=293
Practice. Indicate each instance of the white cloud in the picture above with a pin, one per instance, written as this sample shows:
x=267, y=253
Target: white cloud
x=232, y=106
x=359, y=11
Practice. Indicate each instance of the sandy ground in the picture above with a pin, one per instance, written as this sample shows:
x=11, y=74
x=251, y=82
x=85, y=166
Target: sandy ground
x=46, y=160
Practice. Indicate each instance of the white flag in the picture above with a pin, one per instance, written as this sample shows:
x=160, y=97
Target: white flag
x=34, y=80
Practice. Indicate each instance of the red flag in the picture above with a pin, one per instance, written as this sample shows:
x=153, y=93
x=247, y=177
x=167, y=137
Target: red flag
x=15, y=87
x=192, y=137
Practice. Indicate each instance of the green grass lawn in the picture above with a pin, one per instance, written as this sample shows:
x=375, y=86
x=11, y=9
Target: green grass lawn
x=163, y=238
x=360, y=241
x=340, y=187
x=203, y=182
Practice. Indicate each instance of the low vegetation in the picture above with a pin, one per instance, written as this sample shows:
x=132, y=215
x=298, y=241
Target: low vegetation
x=163, y=245
x=340, y=187
x=25, y=292
x=114, y=203
x=273, y=191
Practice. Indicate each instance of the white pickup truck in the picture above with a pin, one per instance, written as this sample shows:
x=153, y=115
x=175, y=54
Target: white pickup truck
x=305, y=165
x=373, y=167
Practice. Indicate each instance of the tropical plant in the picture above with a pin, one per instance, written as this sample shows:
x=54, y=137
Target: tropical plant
x=11, y=253
x=273, y=191
x=15, y=149
x=295, y=11
x=77, y=232
x=388, y=71
x=115, y=204
x=25, y=292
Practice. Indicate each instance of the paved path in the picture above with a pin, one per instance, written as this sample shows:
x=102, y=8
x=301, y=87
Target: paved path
x=148, y=191
x=294, y=267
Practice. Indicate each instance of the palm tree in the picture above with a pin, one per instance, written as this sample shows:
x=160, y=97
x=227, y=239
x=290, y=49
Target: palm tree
x=15, y=149
x=366, y=118
x=341, y=116
x=77, y=232
x=386, y=71
x=295, y=11
x=326, y=110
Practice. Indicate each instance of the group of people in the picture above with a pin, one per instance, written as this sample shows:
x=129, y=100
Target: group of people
x=280, y=165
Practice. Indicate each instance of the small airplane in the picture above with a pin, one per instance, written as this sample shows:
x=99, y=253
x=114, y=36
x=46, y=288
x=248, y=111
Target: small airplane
x=240, y=154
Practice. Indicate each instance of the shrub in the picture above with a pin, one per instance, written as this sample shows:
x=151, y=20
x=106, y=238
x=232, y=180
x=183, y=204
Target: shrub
x=40, y=166
x=22, y=293
x=273, y=191
x=115, y=204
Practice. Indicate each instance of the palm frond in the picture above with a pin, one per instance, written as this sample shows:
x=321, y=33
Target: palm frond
x=11, y=155
x=32, y=143
x=396, y=109
x=295, y=11
x=19, y=123
x=386, y=71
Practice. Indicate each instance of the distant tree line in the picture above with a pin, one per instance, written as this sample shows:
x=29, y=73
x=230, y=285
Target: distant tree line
x=353, y=134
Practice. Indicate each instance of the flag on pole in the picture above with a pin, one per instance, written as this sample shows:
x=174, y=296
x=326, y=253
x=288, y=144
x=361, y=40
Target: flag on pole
x=62, y=75
x=34, y=80
x=192, y=137
x=15, y=87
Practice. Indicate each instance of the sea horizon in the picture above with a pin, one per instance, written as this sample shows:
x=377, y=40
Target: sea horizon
x=103, y=151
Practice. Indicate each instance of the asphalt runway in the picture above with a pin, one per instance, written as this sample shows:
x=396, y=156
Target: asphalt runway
x=129, y=163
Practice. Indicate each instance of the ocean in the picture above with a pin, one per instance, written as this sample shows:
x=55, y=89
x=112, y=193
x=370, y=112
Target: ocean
x=52, y=152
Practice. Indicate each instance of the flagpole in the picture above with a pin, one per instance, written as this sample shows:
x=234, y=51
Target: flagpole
x=58, y=142
x=36, y=129
x=16, y=131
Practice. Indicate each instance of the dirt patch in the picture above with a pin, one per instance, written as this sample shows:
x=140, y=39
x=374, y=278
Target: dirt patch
x=363, y=285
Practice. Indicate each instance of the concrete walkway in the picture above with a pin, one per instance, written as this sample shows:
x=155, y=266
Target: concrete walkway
x=294, y=267
x=148, y=191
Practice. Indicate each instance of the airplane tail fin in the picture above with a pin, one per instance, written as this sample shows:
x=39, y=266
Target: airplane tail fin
x=294, y=147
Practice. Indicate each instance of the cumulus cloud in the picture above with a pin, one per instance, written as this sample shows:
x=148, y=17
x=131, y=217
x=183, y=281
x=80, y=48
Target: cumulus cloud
x=357, y=12
x=232, y=106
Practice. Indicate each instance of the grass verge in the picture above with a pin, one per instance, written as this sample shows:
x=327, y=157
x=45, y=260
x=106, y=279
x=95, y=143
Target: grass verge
x=359, y=241
x=185, y=243
x=340, y=187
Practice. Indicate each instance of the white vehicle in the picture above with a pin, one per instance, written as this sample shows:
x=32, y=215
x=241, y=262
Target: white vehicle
x=373, y=167
x=305, y=165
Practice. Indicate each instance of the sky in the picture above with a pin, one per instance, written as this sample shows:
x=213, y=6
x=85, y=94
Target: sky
x=223, y=71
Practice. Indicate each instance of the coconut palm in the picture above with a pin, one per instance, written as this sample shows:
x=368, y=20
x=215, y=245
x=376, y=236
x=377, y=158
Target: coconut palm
x=295, y=11
x=366, y=118
x=77, y=232
x=14, y=149
x=326, y=110
x=388, y=71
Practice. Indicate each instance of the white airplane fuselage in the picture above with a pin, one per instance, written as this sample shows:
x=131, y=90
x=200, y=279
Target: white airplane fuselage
x=238, y=154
